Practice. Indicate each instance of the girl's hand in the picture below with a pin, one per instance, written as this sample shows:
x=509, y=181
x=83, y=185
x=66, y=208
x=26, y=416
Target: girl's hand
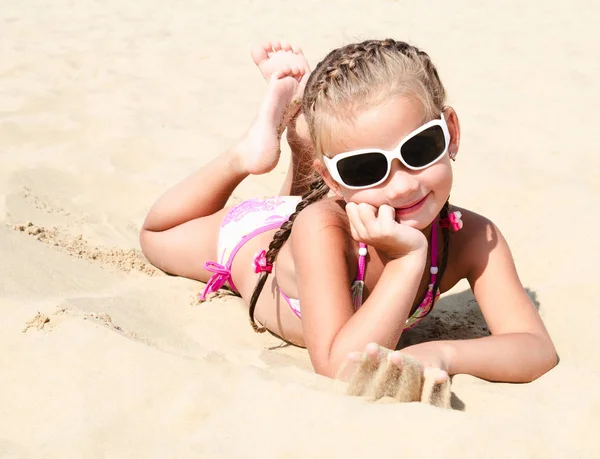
x=379, y=228
x=430, y=354
x=414, y=374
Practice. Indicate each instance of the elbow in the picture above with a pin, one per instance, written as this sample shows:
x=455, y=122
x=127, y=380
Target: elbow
x=333, y=368
x=546, y=359
x=546, y=364
x=324, y=369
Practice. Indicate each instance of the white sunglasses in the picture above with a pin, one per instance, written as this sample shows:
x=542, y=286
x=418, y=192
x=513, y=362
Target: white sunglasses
x=369, y=167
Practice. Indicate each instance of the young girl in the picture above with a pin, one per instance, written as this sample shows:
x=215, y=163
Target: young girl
x=345, y=273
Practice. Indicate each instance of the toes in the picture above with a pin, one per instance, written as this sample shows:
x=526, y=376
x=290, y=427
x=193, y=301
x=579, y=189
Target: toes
x=436, y=388
x=289, y=71
x=285, y=46
x=276, y=45
x=303, y=81
x=281, y=73
x=260, y=53
x=297, y=50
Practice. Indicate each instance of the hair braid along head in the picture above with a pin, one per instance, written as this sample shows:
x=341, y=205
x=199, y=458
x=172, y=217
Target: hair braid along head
x=318, y=190
x=364, y=75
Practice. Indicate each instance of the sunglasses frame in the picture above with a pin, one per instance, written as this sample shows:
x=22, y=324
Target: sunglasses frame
x=331, y=163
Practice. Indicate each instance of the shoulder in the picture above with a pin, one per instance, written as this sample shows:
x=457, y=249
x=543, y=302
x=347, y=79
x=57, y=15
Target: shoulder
x=322, y=228
x=316, y=217
x=475, y=242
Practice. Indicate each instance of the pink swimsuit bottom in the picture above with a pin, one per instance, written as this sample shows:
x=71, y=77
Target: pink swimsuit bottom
x=252, y=217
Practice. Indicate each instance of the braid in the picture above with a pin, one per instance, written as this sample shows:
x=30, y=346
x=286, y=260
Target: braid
x=318, y=190
x=364, y=74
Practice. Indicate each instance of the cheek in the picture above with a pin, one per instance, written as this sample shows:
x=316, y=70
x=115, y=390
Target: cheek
x=372, y=196
x=359, y=196
x=439, y=178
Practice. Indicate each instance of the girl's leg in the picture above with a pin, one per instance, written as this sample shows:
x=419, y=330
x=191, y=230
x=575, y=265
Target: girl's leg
x=270, y=57
x=300, y=171
x=181, y=230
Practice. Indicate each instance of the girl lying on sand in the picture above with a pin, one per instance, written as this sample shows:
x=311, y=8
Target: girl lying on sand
x=345, y=265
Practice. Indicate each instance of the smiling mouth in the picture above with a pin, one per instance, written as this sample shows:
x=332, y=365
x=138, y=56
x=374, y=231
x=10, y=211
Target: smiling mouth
x=411, y=208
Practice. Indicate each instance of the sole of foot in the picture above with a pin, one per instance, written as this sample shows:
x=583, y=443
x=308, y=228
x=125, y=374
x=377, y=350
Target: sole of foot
x=260, y=146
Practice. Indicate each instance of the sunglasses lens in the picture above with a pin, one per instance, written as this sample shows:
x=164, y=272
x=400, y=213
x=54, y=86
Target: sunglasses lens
x=425, y=147
x=363, y=169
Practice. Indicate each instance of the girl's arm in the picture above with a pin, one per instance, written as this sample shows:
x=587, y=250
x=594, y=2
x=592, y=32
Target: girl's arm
x=331, y=327
x=520, y=349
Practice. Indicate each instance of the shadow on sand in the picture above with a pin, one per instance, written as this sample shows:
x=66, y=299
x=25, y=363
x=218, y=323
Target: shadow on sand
x=455, y=316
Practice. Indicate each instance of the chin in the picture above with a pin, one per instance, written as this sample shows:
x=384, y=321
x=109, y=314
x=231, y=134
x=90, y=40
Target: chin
x=415, y=223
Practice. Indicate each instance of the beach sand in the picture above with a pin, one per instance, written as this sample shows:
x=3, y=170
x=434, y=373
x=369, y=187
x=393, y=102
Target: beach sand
x=104, y=105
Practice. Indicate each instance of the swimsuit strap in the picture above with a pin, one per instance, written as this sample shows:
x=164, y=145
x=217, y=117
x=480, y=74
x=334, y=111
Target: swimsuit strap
x=434, y=254
x=362, y=255
x=358, y=284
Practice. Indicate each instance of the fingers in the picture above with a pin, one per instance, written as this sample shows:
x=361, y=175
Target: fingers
x=369, y=222
x=436, y=388
x=386, y=215
x=410, y=381
x=360, y=380
x=360, y=216
x=383, y=373
x=379, y=372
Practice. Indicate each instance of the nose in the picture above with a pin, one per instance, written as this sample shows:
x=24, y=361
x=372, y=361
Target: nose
x=401, y=182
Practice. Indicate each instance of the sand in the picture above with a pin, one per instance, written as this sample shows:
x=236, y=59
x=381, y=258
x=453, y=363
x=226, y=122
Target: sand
x=103, y=105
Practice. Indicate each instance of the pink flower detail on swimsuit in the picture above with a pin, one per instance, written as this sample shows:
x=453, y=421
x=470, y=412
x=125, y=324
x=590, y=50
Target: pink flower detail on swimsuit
x=251, y=205
x=260, y=262
x=453, y=221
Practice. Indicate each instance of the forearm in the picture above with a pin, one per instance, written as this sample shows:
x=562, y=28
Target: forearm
x=515, y=357
x=382, y=317
x=187, y=200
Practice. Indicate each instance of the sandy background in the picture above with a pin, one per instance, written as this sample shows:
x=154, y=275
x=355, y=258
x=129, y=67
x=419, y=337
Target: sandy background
x=104, y=104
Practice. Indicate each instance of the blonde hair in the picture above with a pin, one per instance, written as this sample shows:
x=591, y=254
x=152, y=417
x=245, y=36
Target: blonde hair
x=365, y=75
x=349, y=80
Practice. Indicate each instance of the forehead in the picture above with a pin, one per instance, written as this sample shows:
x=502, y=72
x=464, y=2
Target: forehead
x=379, y=127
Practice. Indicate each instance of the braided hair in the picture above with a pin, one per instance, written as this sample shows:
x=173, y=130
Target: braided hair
x=317, y=190
x=348, y=80
x=364, y=75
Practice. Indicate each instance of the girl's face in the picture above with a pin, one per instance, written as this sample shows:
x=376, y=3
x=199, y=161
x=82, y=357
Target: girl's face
x=417, y=196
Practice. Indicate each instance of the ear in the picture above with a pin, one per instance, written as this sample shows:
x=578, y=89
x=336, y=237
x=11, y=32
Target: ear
x=319, y=166
x=454, y=129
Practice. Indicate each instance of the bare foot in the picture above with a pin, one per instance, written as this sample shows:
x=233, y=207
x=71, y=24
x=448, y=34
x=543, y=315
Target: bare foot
x=272, y=56
x=260, y=146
